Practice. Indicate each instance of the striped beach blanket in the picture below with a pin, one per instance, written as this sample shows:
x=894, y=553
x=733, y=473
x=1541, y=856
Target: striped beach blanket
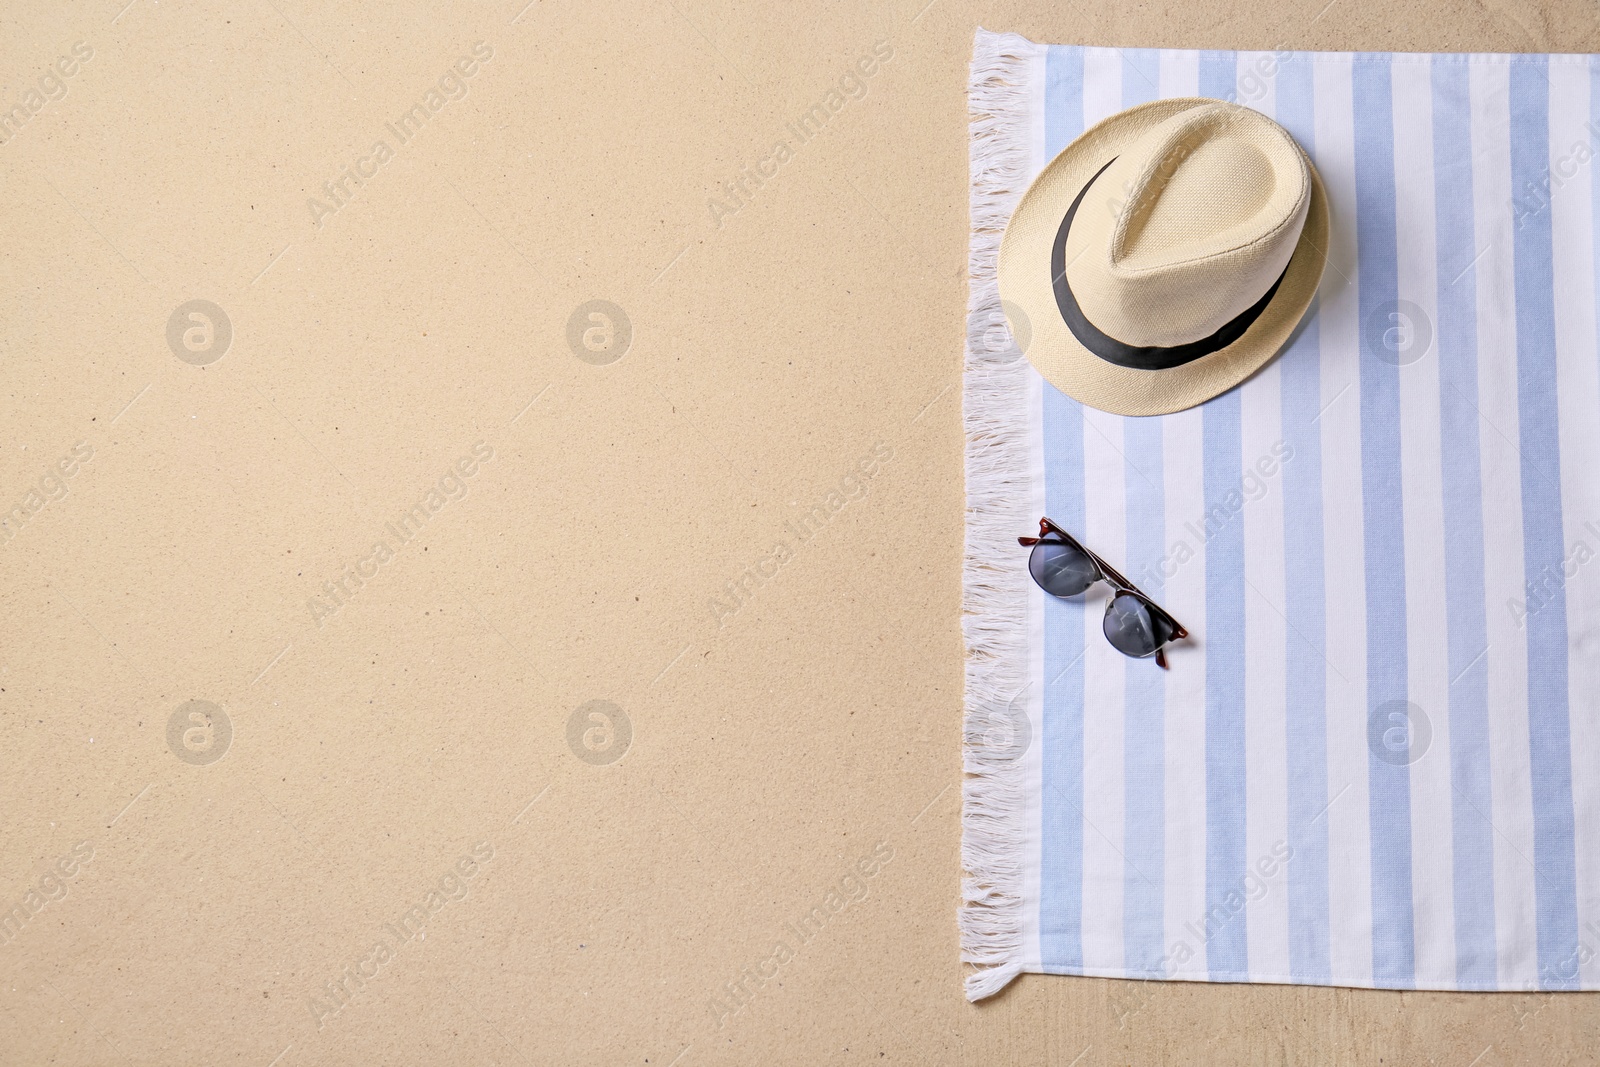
x=1376, y=761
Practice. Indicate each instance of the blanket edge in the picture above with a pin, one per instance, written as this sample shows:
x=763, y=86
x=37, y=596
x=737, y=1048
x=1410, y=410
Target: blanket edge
x=994, y=593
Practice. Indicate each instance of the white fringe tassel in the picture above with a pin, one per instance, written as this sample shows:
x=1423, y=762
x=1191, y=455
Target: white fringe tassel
x=994, y=588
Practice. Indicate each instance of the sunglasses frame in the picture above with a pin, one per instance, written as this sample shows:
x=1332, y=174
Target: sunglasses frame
x=1109, y=575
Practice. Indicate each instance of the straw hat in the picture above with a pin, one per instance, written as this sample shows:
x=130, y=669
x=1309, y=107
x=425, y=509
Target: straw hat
x=1165, y=256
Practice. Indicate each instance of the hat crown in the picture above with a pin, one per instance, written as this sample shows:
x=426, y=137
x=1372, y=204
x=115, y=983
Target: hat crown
x=1189, y=226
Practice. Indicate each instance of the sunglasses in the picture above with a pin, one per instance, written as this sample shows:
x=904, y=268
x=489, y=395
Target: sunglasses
x=1134, y=624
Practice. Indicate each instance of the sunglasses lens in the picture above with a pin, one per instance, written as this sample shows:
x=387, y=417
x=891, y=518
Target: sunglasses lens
x=1061, y=570
x=1132, y=628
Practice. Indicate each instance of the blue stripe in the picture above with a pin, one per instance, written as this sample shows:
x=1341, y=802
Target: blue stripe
x=1141, y=76
x=1227, y=956
x=1466, y=627
x=1594, y=183
x=1550, y=757
x=1383, y=524
x=1061, y=755
x=1219, y=75
x=1305, y=696
x=1145, y=702
x=1224, y=924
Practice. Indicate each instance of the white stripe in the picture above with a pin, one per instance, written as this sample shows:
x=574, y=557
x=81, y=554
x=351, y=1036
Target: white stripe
x=1253, y=81
x=1103, y=798
x=1349, y=833
x=1105, y=670
x=1184, y=593
x=1102, y=84
x=1572, y=145
x=1265, y=630
x=1180, y=73
x=1422, y=493
x=1507, y=657
x=1266, y=637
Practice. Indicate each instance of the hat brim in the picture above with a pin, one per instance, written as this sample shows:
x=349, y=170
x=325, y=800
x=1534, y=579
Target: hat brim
x=1026, y=289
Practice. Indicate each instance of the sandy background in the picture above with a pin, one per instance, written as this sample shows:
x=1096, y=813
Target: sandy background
x=276, y=796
